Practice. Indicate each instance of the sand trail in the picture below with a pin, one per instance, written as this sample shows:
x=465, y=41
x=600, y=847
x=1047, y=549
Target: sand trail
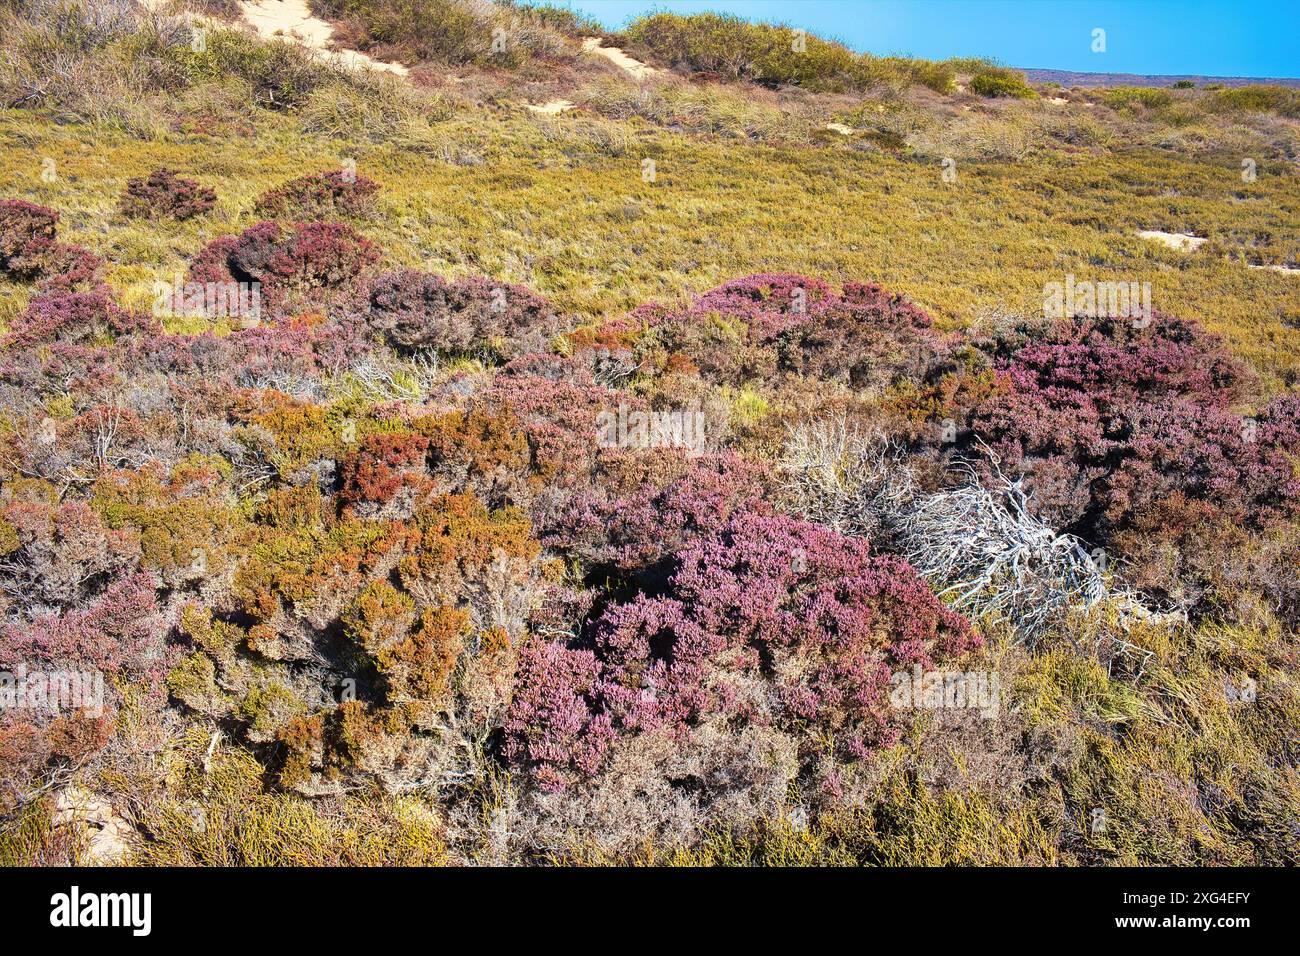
x=630, y=65
x=293, y=19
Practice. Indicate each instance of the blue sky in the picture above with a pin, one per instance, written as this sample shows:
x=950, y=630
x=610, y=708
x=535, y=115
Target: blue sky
x=1211, y=37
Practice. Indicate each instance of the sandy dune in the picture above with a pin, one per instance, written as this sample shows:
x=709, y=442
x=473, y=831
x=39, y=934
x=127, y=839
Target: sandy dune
x=630, y=65
x=294, y=19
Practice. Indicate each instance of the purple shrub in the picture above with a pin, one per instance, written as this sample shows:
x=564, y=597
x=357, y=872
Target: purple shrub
x=551, y=725
x=69, y=268
x=635, y=529
x=1106, y=419
x=331, y=195
x=657, y=663
x=866, y=338
x=163, y=193
x=768, y=303
x=863, y=337
x=417, y=310
x=313, y=266
x=810, y=613
x=75, y=318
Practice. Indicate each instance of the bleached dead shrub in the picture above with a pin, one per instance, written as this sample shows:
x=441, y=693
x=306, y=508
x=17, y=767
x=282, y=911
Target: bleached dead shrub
x=845, y=477
x=979, y=543
x=994, y=557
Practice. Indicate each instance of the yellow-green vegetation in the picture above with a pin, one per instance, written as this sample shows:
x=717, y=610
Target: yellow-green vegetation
x=731, y=47
x=995, y=81
x=220, y=814
x=513, y=198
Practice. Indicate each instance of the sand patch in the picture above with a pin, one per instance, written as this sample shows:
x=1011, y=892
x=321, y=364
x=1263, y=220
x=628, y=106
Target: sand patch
x=1181, y=241
x=630, y=65
x=1285, y=270
x=1058, y=100
x=841, y=129
x=293, y=20
x=108, y=834
x=551, y=108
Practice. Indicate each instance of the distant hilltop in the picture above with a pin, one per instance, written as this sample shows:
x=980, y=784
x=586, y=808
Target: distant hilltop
x=1067, y=78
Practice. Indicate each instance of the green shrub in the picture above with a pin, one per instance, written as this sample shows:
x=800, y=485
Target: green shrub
x=1257, y=98
x=458, y=31
x=772, y=55
x=282, y=75
x=1130, y=97
x=996, y=81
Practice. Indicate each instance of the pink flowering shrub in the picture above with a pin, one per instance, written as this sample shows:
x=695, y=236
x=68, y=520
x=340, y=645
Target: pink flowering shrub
x=752, y=328
x=163, y=193
x=416, y=310
x=554, y=724
x=68, y=268
x=1106, y=419
x=768, y=302
x=313, y=266
x=120, y=631
x=75, y=318
x=320, y=196
x=560, y=419
x=56, y=552
x=811, y=615
x=866, y=338
x=634, y=529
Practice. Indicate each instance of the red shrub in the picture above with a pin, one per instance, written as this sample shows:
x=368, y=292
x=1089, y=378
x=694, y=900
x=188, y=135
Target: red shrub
x=383, y=465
